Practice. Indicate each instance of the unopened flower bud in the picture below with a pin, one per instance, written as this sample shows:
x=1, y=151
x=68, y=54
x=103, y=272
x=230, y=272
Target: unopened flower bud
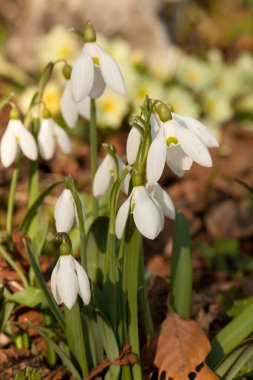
x=67, y=69
x=163, y=112
x=46, y=114
x=14, y=114
x=89, y=33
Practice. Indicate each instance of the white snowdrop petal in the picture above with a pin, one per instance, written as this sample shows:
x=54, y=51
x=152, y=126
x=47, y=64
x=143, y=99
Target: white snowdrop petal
x=111, y=72
x=46, y=142
x=83, y=108
x=198, y=129
x=98, y=84
x=83, y=283
x=82, y=76
x=125, y=184
x=62, y=138
x=64, y=212
x=122, y=216
x=54, y=285
x=26, y=141
x=103, y=177
x=132, y=146
x=68, y=106
x=155, y=126
x=163, y=199
x=193, y=147
x=156, y=158
x=147, y=215
x=177, y=156
x=67, y=284
x=8, y=146
x=179, y=172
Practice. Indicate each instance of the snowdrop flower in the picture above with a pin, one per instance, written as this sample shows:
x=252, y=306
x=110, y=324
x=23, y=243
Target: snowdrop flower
x=17, y=135
x=107, y=173
x=69, y=279
x=94, y=69
x=148, y=205
x=179, y=141
x=49, y=133
x=65, y=212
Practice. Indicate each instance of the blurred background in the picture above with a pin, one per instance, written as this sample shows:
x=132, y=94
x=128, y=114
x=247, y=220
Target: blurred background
x=197, y=56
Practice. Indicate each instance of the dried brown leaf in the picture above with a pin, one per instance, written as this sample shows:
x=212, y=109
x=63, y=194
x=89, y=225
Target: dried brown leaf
x=181, y=350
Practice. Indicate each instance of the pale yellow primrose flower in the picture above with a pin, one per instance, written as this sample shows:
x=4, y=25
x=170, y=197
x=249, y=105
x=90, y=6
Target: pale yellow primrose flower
x=216, y=106
x=182, y=102
x=59, y=43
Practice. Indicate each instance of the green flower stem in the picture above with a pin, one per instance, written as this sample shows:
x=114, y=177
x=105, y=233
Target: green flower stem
x=133, y=241
x=12, y=263
x=10, y=210
x=93, y=150
x=75, y=337
x=181, y=276
x=143, y=300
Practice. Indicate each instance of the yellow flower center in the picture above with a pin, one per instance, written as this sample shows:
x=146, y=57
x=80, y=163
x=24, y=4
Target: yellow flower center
x=192, y=76
x=64, y=52
x=172, y=141
x=109, y=106
x=95, y=61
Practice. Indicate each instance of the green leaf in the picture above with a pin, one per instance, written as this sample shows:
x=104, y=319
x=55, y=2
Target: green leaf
x=239, y=306
x=96, y=248
x=5, y=309
x=32, y=210
x=181, y=283
x=231, y=336
x=45, y=333
x=5, y=100
x=109, y=343
x=51, y=302
x=236, y=360
x=30, y=297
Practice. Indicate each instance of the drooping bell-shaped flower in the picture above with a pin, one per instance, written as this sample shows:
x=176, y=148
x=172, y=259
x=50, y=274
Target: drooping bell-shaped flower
x=50, y=133
x=68, y=280
x=148, y=205
x=107, y=173
x=94, y=69
x=16, y=135
x=179, y=141
x=65, y=212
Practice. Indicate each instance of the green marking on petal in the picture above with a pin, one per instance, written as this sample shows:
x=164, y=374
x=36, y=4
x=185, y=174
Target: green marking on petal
x=172, y=140
x=95, y=60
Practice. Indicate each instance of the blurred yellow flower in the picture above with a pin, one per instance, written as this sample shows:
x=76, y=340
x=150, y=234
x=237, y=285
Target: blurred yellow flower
x=181, y=101
x=58, y=43
x=111, y=109
x=216, y=106
x=52, y=97
x=194, y=73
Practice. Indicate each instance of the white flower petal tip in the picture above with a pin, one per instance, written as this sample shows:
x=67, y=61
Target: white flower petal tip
x=122, y=216
x=82, y=77
x=68, y=106
x=15, y=135
x=49, y=133
x=148, y=215
x=68, y=280
x=65, y=212
x=156, y=157
x=103, y=176
x=132, y=146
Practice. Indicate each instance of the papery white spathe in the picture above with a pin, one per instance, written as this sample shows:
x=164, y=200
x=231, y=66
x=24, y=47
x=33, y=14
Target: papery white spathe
x=179, y=142
x=148, y=205
x=71, y=109
x=89, y=78
x=17, y=135
x=49, y=133
x=106, y=173
x=65, y=212
x=69, y=279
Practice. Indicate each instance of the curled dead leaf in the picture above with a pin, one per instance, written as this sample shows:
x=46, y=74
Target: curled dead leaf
x=180, y=349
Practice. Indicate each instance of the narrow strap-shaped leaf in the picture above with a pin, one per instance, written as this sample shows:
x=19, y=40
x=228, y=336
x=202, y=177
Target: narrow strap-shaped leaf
x=231, y=336
x=181, y=282
x=32, y=210
x=5, y=100
x=51, y=302
x=45, y=332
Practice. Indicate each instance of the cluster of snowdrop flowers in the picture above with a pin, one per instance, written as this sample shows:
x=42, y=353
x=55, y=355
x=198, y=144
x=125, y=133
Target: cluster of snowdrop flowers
x=69, y=278
x=93, y=70
x=174, y=139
